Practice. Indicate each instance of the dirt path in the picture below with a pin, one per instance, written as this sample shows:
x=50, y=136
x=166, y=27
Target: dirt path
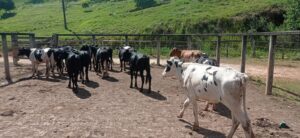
x=109, y=108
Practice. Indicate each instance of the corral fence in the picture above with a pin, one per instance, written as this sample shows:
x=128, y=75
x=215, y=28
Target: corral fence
x=159, y=44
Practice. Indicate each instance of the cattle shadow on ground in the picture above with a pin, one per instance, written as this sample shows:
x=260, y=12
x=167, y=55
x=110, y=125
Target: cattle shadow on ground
x=205, y=132
x=92, y=84
x=223, y=110
x=153, y=94
x=111, y=79
x=47, y=79
x=82, y=93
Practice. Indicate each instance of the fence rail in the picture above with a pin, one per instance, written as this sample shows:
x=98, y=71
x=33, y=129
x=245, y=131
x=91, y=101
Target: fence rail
x=157, y=40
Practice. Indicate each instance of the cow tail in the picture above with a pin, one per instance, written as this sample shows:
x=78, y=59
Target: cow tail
x=243, y=85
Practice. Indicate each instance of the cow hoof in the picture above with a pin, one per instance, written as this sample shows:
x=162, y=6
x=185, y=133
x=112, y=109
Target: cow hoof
x=130, y=86
x=141, y=90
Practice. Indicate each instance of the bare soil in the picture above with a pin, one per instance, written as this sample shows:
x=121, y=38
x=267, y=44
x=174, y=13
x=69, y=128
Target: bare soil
x=109, y=108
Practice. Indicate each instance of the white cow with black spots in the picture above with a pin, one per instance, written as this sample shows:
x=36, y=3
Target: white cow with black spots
x=37, y=56
x=213, y=84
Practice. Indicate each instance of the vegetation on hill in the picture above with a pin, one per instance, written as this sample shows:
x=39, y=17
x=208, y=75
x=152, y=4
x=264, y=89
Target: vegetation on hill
x=122, y=16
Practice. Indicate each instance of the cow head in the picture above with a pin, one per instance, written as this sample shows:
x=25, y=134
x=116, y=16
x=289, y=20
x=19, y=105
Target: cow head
x=175, y=52
x=173, y=64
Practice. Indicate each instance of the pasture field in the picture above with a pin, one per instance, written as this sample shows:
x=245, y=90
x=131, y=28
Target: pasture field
x=121, y=16
x=109, y=108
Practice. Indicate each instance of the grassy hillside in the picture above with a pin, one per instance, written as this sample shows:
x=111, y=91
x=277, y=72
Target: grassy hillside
x=178, y=16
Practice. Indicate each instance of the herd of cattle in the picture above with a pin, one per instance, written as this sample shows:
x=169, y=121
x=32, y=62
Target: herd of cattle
x=204, y=81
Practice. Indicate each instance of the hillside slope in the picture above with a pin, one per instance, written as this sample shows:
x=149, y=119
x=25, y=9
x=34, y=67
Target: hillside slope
x=178, y=16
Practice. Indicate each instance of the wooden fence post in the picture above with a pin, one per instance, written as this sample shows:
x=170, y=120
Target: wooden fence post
x=14, y=45
x=269, y=83
x=32, y=40
x=126, y=40
x=189, y=42
x=5, y=57
x=244, y=50
x=218, y=50
x=158, y=42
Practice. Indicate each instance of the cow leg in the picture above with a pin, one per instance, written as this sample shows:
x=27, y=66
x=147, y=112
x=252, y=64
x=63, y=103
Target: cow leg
x=241, y=116
x=75, y=80
x=87, y=74
x=185, y=105
x=107, y=67
x=195, y=111
x=235, y=125
x=131, y=77
x=148, y=77
x=121, y=66
x=37, y=69
x=70, y=79
x=135, y=77
x=33, y=69
x=81, y=72
x=111, y=63
x=47, y=70
x=142, y=78
x=124, y=67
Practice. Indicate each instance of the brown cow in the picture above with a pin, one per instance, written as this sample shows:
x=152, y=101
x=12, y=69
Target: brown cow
x=186, y=55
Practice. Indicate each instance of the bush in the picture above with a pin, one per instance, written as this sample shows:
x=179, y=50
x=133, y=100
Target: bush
x=142, y=4
x=7, y=5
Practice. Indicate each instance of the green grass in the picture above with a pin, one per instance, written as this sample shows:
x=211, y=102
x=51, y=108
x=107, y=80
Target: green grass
x=115, y=17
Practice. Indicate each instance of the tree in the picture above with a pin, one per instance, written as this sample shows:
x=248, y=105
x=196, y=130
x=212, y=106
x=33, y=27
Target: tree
x=293, y=15
x=7, y=5
x=142, y=4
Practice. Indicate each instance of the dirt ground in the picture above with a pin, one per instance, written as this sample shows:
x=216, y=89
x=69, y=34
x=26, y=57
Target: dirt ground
x=109, y=108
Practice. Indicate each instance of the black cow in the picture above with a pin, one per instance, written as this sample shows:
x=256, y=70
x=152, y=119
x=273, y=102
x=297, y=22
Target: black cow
x=92, y=53
x=102, y=55
x=124, y=56
x=85, y=60
x=140, y=62
x=204, y=59
x=110, y=55
x=60, y=54
x=73, y=63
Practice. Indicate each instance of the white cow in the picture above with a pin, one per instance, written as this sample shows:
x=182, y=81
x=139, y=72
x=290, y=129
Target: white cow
x=213, y=84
